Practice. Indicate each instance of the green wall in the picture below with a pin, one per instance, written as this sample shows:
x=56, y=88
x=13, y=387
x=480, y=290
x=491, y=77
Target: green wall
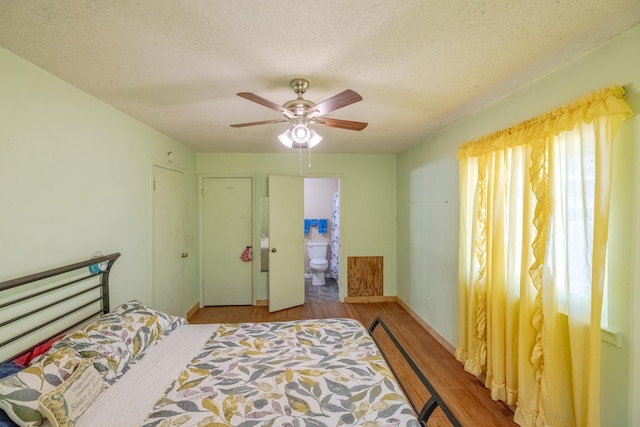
x=428, y=212
x=368, y=209
x=75, y=178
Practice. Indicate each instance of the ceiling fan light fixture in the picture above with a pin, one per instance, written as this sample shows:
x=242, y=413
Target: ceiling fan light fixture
x=300, y=134
x=286, y=138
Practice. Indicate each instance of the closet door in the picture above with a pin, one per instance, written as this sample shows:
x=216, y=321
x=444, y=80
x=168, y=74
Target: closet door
x=227, y=224
x=169, y=231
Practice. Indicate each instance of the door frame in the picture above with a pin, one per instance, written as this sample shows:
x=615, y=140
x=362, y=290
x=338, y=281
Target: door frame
x=254, y=226
x=172, y=167
x=342, y=285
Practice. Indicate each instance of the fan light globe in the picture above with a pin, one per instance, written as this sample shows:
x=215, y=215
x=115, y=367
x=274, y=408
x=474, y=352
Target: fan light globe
x=315, y=139
x=286, y=138
x=300, y=134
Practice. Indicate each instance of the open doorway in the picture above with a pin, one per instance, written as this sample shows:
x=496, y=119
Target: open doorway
x=322, y=239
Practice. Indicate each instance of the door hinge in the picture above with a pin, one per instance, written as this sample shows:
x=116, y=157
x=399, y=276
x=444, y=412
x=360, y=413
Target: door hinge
x=154, y=185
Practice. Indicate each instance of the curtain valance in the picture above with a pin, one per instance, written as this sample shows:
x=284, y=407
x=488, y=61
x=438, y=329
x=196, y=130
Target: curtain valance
x=604, y=102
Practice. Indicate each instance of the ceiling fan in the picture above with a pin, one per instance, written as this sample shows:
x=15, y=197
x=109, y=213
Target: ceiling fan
x=301, y=113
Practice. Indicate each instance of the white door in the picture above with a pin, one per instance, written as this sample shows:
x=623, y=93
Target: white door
x=286, y=241
x=227, y=224
x=169, y=205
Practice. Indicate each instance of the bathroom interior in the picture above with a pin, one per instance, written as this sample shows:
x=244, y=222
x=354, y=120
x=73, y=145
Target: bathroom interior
x=322, y=239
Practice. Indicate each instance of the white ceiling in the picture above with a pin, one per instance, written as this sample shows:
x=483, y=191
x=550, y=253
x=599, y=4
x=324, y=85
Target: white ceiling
x=420, y=65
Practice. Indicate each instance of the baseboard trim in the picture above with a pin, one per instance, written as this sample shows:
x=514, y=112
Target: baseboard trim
x=446, y=344
x=381, y=298
x=347, y=300
x=193, y=310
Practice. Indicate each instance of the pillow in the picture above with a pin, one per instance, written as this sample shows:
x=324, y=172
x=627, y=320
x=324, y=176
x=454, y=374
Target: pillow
x=140, y=314
x=6, y=369
x=104, y=345
x=19, y=392
x=63, y=405
x=9, y=368
x=26, y=358
x=147, y=325
x=120, y=337
x=5, y=421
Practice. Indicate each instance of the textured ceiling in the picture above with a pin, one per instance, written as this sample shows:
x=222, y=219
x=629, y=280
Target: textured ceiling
x=420, y=65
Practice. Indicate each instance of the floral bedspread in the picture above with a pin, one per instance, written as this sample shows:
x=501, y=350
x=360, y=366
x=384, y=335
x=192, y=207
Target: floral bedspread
x=304, y=373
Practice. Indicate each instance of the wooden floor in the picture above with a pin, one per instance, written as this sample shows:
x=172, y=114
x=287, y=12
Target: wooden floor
x=467, y=398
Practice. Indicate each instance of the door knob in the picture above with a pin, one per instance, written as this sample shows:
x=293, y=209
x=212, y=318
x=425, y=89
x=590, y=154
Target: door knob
x=184, y=255
x=273, y=249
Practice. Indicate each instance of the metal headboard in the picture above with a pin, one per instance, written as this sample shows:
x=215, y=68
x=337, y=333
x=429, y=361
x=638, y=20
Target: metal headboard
x=40, y=306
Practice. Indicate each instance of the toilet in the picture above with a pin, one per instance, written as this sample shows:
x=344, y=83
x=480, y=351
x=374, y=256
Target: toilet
x=318, y=263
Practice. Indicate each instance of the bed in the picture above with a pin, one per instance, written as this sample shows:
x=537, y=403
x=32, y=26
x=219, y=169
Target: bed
x=75, y=361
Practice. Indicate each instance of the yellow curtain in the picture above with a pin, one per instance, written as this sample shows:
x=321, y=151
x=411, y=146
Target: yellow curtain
x=534, y=203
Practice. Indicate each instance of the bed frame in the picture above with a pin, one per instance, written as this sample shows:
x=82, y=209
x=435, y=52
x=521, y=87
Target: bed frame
x=41, y=306
x=435, y=400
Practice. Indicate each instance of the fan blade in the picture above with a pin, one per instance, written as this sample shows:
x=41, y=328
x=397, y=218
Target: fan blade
x=340, y=100
x=342, y=124
x=264, y=122
x=260, y=100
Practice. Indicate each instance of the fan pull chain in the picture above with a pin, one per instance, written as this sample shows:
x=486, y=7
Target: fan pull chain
x=300, y=158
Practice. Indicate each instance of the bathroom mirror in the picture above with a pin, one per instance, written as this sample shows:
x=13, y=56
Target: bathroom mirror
x=264, y=234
